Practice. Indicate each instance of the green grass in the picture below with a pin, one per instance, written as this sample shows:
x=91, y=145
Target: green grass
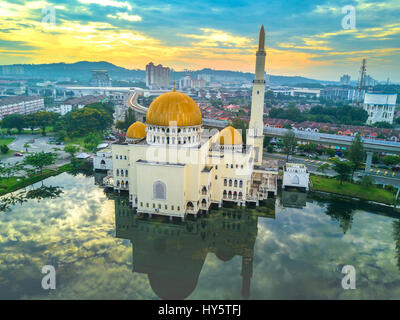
x=6, y=141
x=12, y=184
x=354, y=190
x=75, y=141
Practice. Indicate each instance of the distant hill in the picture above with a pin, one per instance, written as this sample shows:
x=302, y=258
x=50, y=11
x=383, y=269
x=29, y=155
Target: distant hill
x=81, y=71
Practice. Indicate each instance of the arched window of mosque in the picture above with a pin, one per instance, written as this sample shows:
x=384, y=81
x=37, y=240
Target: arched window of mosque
x=258, y=92
x=102, y=162
x=240, y=184
x=230, y=183
x=117, y=172
x=225, y=182
x=126, y=172
x=159, y=190
x=235, y=184
x=189, y=206
x=295, y=180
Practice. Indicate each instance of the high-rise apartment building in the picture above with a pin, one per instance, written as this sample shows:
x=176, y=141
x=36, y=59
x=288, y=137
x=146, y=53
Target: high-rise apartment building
x=380, y=107
x=100, y=78
x=20, y=105
x=157, y=75
x=345, y=79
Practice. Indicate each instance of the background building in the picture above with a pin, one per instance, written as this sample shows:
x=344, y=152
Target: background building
x=157, y=75
x=79, y=103
x=187, y=82
x=20, y=105
x=369, y=81
x=100, y=78
x=345, y=79
x=380, y=107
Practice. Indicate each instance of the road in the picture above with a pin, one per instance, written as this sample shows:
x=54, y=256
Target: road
x=381, y=176
x=41, y=144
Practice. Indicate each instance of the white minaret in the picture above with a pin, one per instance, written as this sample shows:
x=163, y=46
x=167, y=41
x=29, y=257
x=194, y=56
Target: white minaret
x=255, y=135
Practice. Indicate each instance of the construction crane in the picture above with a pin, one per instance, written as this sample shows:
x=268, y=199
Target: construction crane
x=362, y=81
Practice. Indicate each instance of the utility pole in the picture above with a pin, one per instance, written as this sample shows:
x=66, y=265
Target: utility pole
x=362, y=80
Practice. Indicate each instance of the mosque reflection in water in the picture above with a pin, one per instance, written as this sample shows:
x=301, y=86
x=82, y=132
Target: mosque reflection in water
x=172, y=254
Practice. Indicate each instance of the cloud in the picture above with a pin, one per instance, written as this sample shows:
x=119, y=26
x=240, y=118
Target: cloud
x=215, y=38
x=108, y=3
x=125, y=16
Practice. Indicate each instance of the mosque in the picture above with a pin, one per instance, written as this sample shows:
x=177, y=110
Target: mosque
x=171, y=165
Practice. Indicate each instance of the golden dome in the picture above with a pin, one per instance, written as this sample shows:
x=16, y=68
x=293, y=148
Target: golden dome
x=174, y=106
x=230, y=135
x=136, y=130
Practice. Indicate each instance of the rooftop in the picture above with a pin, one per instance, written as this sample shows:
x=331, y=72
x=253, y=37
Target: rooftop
x=18, y=99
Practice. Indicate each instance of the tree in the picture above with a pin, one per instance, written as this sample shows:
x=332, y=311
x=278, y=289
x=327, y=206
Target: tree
x=86, y=120
x=44, y=119
x=266, y=141
x=367, y=181
x=39, y=160
x=92, y=140
x=383, y=124
x=323, y=167
x=130, y=118
x=30, y=121
x=289, y=143
x=343, y=169
x=12, y=121
x=391, y=160
x=120, y=125
x=10, y=169
x=71, y=149
x=356, y=153
x=330, y=152
x=26, y=146
x=4, y=149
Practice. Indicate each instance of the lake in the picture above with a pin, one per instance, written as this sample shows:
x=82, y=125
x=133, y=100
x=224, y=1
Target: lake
x=293, y=247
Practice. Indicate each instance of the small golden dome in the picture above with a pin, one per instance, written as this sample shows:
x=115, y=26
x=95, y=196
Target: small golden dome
x=136, y=130
x=230, y=136
x=176, y=107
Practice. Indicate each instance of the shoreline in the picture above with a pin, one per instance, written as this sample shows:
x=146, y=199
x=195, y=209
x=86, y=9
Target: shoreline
x=37, y=178
x=351, y=190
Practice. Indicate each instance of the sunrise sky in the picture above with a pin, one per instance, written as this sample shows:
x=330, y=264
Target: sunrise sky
x=303, y=37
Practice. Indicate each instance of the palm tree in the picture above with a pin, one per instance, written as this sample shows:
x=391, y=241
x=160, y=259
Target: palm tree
x=26, y=146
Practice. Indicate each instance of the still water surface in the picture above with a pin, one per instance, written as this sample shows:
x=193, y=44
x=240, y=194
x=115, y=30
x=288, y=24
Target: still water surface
x=291, y=248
